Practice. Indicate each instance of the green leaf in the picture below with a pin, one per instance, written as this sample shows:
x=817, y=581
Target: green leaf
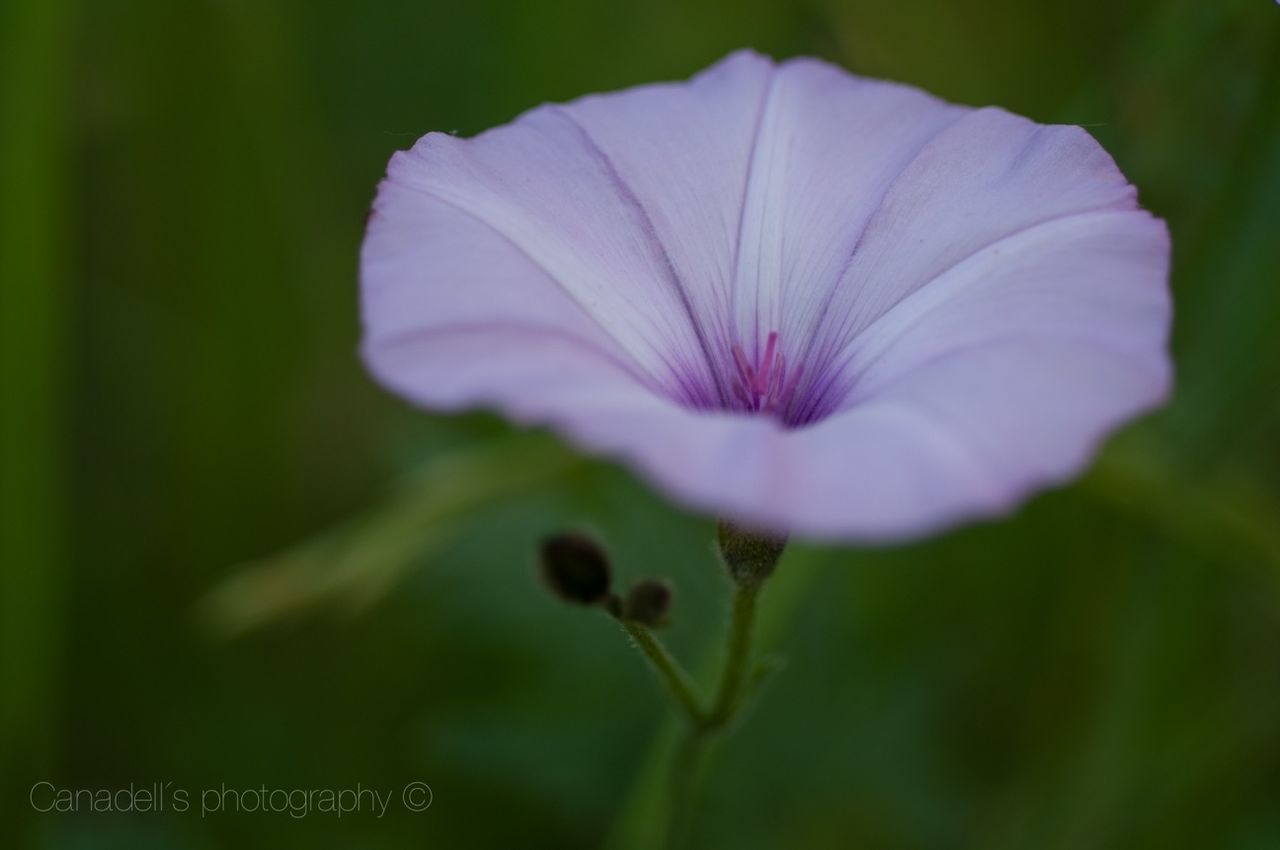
x=352, y=566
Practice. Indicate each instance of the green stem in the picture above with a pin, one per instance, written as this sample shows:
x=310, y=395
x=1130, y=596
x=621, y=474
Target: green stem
x=737, y=660
x=673, y=676
x=729, y=699
x=646, y=818
x=750, y=558
x=685, y=765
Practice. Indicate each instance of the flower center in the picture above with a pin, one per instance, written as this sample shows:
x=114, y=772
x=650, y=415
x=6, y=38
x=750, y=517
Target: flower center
x=765, y=386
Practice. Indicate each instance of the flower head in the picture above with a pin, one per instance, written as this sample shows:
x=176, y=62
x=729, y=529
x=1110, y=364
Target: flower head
x=801, y=299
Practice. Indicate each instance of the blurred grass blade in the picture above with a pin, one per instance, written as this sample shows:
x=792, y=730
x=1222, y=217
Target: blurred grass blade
x=34, y=79
x=352, y=566
x=1225, y=517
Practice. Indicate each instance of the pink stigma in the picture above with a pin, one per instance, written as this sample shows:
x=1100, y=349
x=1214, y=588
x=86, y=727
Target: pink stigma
x=765, y=387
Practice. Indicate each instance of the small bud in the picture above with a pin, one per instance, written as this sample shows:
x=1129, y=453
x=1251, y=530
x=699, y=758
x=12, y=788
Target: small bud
x=649, y=602
x=576, y=568
x=750, y=555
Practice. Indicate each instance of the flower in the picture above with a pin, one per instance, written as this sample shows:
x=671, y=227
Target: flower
x=800, y=299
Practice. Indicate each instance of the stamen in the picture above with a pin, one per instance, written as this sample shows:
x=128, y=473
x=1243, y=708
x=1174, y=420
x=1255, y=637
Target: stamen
x=766, y=386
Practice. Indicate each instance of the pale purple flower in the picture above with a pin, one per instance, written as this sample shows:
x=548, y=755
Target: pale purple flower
x=784, y=294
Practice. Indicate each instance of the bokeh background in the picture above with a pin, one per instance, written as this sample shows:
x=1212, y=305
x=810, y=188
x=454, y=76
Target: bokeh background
x=227, y=558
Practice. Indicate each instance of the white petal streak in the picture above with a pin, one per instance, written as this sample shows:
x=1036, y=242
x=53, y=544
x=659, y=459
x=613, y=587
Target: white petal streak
x=828, y=146
x=1098, y=278
x=539, y=185
x=428, y=267
x=990, y=175
x=683, y=152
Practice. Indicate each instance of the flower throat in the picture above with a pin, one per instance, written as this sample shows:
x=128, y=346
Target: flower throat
x=764, y=386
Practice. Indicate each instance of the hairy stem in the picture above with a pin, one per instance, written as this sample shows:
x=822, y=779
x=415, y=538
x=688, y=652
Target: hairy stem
x=750, y=558
x=729, y=699
x=737, y=660
x=678, y=683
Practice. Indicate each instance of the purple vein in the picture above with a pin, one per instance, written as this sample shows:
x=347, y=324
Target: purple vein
x=845, y=356
x=504, y=236
x=628, y=196
x=892, y=184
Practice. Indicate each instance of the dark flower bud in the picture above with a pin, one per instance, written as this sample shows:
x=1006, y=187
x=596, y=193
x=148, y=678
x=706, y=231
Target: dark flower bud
x=750, y=555
x=576, y=568
x=649, y=602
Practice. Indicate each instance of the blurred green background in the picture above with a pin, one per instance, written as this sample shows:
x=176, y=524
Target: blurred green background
x=183, y=188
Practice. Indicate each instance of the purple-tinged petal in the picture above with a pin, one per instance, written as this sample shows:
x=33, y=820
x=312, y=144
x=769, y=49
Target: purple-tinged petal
x=683, y=153
x=1029, y=352
x=987, y=177
x=956, y=304
x=430, y=269
x=999, y=378
x=538, y=378
x=827, y=147
x=628, y=202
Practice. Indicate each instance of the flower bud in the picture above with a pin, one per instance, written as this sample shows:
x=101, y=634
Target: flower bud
x=749, y=555
x=649, y=602
x=576, y=568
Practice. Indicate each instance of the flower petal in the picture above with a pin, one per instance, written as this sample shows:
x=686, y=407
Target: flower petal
x=998, y=378
x=427, y=268
x=828, y=146
x=976, y=299
x=708, y=460
x=628, y=203
x=985, y=178
x=684, y=152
